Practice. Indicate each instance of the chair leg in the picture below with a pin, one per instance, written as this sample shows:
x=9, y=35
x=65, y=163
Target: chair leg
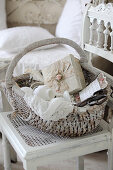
x=110, y=159
x=13, y=155
x=29, y=165
x=90, y=59
x=80, y=163
x=5, y=103
x=6, y=151
x=110, y=152
x=7, y=107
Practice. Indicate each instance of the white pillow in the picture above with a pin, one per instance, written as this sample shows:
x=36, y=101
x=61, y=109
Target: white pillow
x=2, y=15
x=16, y=38
x=70, y=22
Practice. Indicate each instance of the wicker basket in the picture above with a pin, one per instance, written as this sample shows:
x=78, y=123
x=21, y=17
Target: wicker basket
x=76, y=123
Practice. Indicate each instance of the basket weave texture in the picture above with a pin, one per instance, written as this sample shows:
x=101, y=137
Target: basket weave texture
x=76, y=123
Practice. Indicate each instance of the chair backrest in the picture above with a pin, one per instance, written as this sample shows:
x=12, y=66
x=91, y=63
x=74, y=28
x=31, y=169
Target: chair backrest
x=98, y=30
x=97, y=38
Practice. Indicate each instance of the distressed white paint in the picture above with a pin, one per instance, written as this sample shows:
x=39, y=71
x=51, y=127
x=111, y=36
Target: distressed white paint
x=100, y=34
x=111, y=34
x=106, y=34
x=33, y=157
x=103, y=14
x=7, y=161
x=92, y=29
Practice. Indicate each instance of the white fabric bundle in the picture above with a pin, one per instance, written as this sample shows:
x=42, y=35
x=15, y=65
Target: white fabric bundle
x=28, y=94
x=43, y=102
x=44, y=92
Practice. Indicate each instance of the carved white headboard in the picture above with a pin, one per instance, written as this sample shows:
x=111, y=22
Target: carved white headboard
x=34, y=12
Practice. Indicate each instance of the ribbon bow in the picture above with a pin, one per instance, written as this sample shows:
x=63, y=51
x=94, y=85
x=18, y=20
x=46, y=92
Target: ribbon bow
x=59, y=72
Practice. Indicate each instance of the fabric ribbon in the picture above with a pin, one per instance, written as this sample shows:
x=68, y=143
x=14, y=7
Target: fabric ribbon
x=56, y=78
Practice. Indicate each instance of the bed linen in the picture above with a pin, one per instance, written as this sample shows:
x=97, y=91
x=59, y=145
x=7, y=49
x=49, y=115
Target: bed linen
x=70, y=22
x=38, y=59
x=17, y=38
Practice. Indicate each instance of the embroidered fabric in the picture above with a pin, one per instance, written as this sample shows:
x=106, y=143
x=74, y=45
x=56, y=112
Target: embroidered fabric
x=47, y=106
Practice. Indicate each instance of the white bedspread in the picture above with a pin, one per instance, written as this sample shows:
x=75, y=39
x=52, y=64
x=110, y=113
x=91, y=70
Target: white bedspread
x=38, y=58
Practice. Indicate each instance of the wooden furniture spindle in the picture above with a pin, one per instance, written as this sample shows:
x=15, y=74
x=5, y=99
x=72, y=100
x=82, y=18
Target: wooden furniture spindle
x=106, y=35
x=92, y=29
x=100, y=29
x=111, y=34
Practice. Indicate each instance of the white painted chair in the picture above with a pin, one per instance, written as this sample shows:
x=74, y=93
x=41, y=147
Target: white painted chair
x=36, y=151
x=6, y=107
x=99, y=23
x=36, y=148
x=97, y=35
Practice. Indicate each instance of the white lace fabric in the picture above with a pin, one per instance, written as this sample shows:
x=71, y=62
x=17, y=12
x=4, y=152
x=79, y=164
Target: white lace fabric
x=48, y=108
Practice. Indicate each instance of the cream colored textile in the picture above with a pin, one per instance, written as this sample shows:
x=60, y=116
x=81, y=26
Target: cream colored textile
x=43, y=102
x=65, y=74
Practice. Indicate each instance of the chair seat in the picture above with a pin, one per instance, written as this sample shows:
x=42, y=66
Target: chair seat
x=33, y=137
x=29, y=142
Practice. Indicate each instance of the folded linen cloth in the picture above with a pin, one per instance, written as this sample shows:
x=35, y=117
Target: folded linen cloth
x=43, y=102
x=28, y=94
x=58, y=108
x=44, y=92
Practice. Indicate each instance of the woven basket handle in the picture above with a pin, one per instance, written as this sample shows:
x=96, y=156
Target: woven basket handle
x=9, y=73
